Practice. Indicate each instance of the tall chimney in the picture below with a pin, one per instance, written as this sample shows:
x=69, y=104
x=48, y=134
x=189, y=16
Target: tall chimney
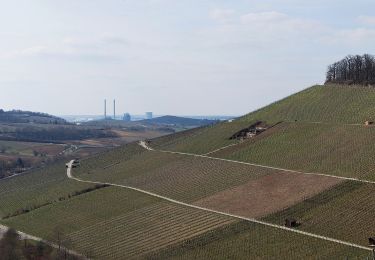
x=105, y=108
x=114, y=109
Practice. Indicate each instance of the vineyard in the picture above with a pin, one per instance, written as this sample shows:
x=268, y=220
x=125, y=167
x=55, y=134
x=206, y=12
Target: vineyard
x=338, y=104
x=36, y=188
x=342, y=150
x=316, y=134
x=120, y=223
x=244, y=240
x=201, y=140
x=176, y=176
x=344, y=212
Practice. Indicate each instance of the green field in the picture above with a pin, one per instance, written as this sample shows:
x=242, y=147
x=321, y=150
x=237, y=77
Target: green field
x=342, y=150
x=345, y=212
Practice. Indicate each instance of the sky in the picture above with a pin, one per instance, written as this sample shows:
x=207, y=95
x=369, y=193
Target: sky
x=180, y=57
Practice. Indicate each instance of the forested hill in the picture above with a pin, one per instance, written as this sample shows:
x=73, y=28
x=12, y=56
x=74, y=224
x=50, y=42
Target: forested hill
x=19, y=116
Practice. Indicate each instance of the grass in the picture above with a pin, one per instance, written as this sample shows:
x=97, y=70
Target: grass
x=36, y=188
x=344, y=212
x=176, y=176
x=245, y=240
x=342, y=150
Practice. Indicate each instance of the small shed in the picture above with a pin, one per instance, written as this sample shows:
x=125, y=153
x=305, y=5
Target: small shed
x=371, y=241
x=291, y=223
x=367, y=123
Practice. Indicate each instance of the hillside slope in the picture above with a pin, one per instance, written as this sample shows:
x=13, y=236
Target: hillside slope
x=336, y=104
x=211, y=167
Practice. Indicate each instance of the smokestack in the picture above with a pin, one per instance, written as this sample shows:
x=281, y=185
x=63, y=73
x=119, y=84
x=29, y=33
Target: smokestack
x=105, y=108
x=114, y=109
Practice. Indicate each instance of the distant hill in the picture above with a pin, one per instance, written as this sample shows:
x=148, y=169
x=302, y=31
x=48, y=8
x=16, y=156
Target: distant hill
x=178, y=121
x=19, y=116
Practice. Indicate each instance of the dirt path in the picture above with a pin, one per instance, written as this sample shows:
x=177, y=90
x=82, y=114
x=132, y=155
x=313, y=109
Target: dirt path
x=69, y=174
x=144, y=145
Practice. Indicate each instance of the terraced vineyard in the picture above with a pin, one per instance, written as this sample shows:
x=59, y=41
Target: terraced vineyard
x=36, y=188
x=342, y=150
x=244, y=240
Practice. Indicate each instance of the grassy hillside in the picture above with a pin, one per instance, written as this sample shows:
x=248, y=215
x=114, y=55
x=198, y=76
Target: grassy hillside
x=326, y=148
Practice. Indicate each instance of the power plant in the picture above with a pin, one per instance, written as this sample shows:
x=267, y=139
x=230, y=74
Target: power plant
x=105, y=109
x=126, y=117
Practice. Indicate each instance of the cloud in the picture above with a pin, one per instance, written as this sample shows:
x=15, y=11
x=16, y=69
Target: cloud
x=73, y=49
x=263, y=17
x=356, y=36
x=369, y=20
x=222, y=15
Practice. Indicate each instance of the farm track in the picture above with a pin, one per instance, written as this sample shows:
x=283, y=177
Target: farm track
x=143, y=144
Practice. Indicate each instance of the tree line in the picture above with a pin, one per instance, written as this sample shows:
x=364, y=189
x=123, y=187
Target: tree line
x=353, y=69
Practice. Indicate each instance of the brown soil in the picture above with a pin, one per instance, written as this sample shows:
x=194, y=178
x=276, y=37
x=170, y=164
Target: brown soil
x=268, y=194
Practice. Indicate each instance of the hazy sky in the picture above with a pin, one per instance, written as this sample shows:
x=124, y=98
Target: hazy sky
x=180, y=57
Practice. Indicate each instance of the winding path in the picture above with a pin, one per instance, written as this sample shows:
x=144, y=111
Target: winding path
x=143, y=144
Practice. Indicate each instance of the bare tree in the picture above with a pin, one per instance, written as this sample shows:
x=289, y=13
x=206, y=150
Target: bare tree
x=353, y=70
